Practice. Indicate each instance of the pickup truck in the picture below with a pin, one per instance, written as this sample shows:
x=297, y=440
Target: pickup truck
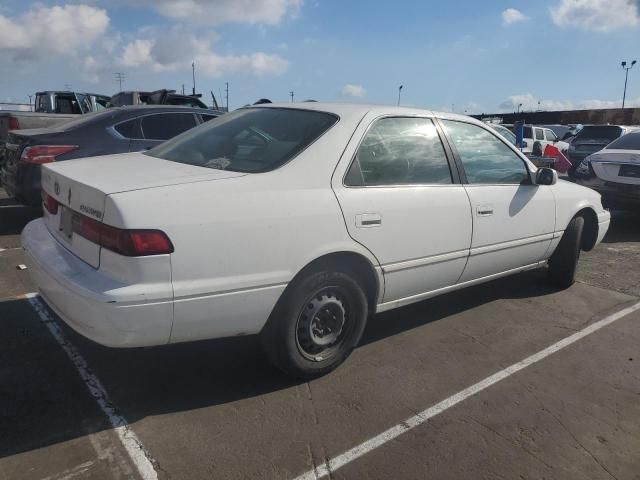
x=50, y=108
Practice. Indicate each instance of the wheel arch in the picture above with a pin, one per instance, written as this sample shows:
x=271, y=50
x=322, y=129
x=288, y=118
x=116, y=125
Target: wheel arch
x=354, y=262
x=590, y=232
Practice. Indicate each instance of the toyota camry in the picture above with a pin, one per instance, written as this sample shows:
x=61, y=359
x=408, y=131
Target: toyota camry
x=297, y=222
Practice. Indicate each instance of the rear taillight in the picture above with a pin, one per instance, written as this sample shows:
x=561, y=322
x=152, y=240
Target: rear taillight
x=50, y=203
x=14, y=124
x=40, y=154
x=131, y=243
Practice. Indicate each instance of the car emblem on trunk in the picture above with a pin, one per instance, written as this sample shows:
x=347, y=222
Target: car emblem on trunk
x=56, y=188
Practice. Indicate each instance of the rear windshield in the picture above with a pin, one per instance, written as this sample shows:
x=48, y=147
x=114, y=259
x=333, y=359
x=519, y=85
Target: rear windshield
x=247, y=140
x=603, y=132
x=630, y=141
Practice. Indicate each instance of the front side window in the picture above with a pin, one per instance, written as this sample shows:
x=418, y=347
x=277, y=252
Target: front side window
x=551, y=137
x=164, y=126
x=248, y=140
x=485, y=158
x=400, y=151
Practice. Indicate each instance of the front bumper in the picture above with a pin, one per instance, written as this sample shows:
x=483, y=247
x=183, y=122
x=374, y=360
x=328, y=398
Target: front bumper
x=95, y=305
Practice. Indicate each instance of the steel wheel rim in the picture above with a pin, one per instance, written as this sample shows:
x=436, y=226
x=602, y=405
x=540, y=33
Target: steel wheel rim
x=322, y=324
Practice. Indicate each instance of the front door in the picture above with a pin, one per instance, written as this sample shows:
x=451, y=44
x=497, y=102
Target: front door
x=513, y=219
x=402, y=201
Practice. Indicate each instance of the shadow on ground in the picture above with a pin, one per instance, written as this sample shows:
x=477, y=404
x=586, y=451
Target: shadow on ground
x=43, y=401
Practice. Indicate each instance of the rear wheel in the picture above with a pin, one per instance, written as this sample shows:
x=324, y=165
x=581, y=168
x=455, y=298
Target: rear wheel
x=317, y=323
x=564, y=261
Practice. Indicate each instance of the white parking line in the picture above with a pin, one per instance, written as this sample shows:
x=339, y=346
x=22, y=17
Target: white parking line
x=138, y=454
x=356, y=452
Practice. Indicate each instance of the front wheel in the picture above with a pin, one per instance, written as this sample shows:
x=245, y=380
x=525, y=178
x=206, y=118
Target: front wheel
x=564, y=261
x=317, y=323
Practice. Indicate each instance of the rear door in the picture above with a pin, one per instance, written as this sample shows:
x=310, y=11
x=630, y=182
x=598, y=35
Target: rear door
x=159, y=127
x=401, y=199
x=513, y=220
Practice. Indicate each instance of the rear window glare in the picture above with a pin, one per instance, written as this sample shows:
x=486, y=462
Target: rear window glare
x=630, y=141
x=248, y=140
x=604, y=132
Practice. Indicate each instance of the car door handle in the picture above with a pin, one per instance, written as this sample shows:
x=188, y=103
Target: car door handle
x=484, y=210
x=364, y=220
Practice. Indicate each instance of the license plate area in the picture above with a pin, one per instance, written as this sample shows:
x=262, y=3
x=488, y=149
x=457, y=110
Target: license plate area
x=66, y=223
x=632, y=171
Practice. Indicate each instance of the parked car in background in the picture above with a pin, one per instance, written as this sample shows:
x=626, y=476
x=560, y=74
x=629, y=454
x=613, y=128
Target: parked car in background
x=50, y=108
x=564, y=132
x=537, y=138
x=158, y=97
x=614, y=172
x=115, y=130
x=593, y=138
x=295, y=222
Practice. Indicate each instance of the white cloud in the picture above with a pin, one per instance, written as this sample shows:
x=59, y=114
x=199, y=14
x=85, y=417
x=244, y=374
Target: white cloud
x=354, y=91
x=58, y=29
x=596, y=15
x=215, y=12
x=530, y=103
x=176, y=49
x=511, y=16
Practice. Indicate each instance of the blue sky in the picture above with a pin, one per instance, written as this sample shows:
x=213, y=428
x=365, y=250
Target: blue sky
x=467, y=55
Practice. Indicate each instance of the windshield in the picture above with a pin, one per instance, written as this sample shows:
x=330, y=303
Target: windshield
x=630, y=141
x=248, y=140
x=599, y=132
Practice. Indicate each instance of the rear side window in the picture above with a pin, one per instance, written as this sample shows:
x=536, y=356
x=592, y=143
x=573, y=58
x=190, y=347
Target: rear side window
x=527, y=133
x=485, y=158
x=400, y=151
x=630, y=141
x=539, y=134
x=248, y=140
x=206, y=118
x=164, y=126
x=128, y=129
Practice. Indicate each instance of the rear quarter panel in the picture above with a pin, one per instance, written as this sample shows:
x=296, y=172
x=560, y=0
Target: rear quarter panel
x=239, y=241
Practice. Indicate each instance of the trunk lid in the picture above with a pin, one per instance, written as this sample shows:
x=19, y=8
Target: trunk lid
x=618, y=166
x=82, y=185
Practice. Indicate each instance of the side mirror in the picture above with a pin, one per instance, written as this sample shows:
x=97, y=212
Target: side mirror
x=546, y=176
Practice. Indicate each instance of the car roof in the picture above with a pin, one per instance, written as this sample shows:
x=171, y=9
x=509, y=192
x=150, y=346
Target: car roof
x=346, y=109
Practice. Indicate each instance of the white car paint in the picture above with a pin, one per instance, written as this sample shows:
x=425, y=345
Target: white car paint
x=240, y=239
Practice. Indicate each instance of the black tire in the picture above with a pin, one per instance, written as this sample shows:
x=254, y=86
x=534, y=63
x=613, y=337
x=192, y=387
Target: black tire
x=315, y=308
x=564, y=261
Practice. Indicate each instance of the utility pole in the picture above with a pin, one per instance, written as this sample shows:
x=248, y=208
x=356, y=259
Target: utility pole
x=227, y=92
x=183, y=88
x=30, y=106
x=626, y=78
x=193, y=73
x=119, y=77
x=291, y=93
x=399, y=92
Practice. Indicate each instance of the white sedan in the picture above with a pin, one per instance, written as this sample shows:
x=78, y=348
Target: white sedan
x=614, y=172
x=296, y=222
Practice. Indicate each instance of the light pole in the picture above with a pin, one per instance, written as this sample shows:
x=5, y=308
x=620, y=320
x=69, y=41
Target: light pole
x=519, y=106
x=291, y=92
x=626, y=77
x=399, y=91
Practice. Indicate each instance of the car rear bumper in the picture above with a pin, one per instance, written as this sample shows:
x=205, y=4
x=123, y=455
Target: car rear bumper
x=612, y=192
x=96, y=306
